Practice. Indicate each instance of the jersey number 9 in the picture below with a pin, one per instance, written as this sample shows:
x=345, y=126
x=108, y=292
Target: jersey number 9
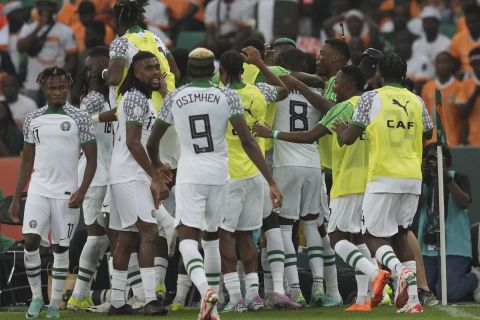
x=206, y=133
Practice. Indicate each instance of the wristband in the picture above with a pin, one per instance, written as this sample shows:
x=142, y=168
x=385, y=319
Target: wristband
x=275, y=134
x=103, y=73
x=96, y=118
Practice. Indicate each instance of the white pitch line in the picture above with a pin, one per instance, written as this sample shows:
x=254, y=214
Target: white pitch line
x=458, y=313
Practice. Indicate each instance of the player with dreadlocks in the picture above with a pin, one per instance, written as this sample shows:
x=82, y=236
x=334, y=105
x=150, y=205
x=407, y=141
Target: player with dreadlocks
x=395, y=121
x=132, y=200
x=128, y=22
x=95, y=101
x=53, y=135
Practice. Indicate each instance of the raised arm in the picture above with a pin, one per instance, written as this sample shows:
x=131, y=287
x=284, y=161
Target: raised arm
x=252, y=56
x=315, y=99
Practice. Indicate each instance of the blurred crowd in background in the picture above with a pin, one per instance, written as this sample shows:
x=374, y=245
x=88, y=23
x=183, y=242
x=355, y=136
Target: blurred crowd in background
x=439, y=39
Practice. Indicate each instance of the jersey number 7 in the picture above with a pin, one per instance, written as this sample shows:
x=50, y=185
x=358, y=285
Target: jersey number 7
x=207, y=133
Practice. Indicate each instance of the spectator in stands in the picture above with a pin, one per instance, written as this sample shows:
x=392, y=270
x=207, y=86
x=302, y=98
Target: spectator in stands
x=48, y=43
x=87, y=13
x=20, y=105
x=419, y=67
x=157, y=20
x=464, y=41
x=357, y=25
x=227, y=23
x=11, y=137
x=460, y=281
x=431, y=43
x=185, y=15
x=469, y=100
x=445, y=66
x=16, y=14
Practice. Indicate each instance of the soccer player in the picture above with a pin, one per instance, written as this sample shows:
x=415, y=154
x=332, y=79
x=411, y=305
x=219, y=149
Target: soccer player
x=246, y=186
x=395, y=122
x=128, y=17
x=132, y=203
x=201, y=112
x=296, y=167
x=333, y=55
x=95, y=101
x=54, y=136
x=349, y=169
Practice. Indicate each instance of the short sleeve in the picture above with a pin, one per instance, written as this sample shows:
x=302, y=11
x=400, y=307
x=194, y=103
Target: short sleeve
x=69, y=41
x=342, y=111
x=27, y=132
x=119, y=49
x=269, y=92
x=361, y=116
x=26, y=30
x=86, y=130
x=93, y=103
x=234, y=102
x=160, y=45
x=135, y=106
x=209, y=16
x=427, y=121
x=165, y=113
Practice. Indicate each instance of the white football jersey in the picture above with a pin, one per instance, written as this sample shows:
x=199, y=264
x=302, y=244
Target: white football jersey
x=201, y=111
x=295, y=114
x=58, y=136
x=95, y=103
x=135, y=108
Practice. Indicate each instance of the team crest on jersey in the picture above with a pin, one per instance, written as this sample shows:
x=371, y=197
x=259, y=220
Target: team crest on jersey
x=32, y=224
x=137, y=111
x=65, y=126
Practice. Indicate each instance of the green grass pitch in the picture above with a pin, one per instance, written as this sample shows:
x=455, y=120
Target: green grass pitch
x=433, y=313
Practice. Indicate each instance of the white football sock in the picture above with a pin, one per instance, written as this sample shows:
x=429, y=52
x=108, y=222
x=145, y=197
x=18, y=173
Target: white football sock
x=161, y=265
x=354, y=258
x=135, y=278
x=388, y=258
x=232, y=283
x=212, y=263
x=148, y=281
x=314, y=248
x=59, y=275
x=92, y=252
x=119, y=283
x=276, y=258
x=330, y=272
x=361, y=278
x=290, y=257
x=183, y=287
x=33, y=269
x=412, y=288
x=251, y=284
x=194, y=264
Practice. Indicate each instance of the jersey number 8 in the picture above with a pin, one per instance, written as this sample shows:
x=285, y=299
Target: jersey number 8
x=207, y=133
x=298, y=120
